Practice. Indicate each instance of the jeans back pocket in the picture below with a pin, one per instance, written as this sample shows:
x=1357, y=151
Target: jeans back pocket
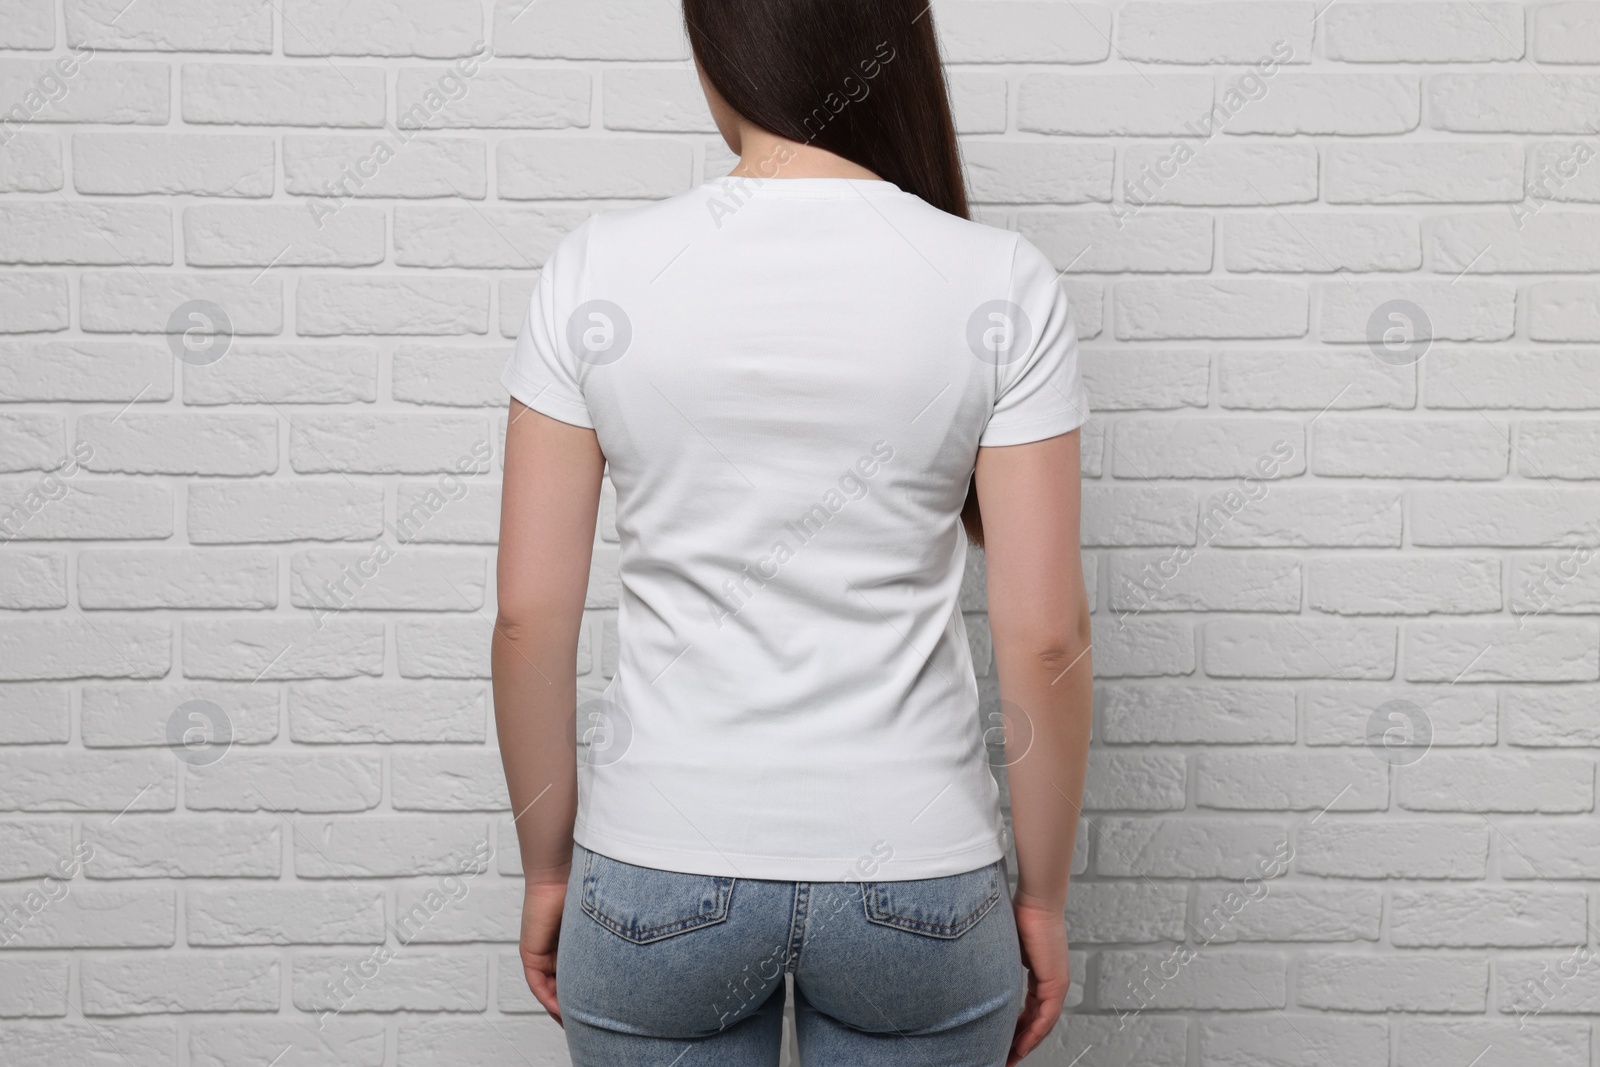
x=642, y=904
x=935, y=907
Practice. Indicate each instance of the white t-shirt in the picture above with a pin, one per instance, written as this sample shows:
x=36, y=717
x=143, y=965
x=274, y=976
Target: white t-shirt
x=790, y=380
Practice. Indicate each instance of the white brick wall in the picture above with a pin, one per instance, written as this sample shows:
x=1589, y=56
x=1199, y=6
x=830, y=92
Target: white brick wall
x=300, y=533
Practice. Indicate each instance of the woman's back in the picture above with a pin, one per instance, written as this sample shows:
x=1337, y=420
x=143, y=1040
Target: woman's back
x=789, y=380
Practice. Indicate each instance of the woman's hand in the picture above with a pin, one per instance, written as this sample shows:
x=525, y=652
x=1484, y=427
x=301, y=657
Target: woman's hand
x=541, y=929
x=1043, y=933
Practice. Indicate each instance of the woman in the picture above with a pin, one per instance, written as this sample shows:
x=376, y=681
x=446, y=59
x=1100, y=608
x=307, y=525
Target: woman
x=811, y=382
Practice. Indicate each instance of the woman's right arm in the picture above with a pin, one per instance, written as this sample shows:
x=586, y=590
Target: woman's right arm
x=1030, y=497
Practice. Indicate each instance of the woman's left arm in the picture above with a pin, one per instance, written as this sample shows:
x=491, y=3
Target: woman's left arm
x=549, y=500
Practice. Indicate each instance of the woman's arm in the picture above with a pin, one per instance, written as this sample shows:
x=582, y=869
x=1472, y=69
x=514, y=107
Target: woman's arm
x=1039, y=617
x=550, y=496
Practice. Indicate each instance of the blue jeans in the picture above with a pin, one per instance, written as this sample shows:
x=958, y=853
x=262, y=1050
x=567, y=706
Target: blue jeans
x=657, y=968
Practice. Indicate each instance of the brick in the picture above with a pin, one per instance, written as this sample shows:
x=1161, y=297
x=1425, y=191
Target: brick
x=85, y=370
x=1154, y=32
x=407, y=579
x=388, y=713
x=442, y=1040
x=1278, y=911
x=1539, y=651
x=29, y=24
x=454, y=510
x=31, y=163
x=1520, y=517
x=1558, y=311
x=319, y=94
x=110, y=91
x=1548, y=448
x=1460, y=448
x=203, y=165
x=285, y=373
x=261, y=235
x=367, y=167
x=265, y=512
x=149, y=302
x=1208, y=448
x=1331, y=104
x=530, y=99
x=1498, y=241
x=1438, y=172
x=450, y=235
x=607, y=29
x=1416, y=585
x=1135, y=781
x=449, y=375
x=33, y=848
x=1185, y=848
x=34, y=715
x=1242, y=175
x=1513, y=103
x=1566, y=33
x=1357, y=848
x=34, y=987
x=1147, y=1040
x=31, y=579
x=180, y=444
x=1298, y=648
x=181, y=846
x=99, y=916
x=1108, y=913
x=383, y=28
x=1212, y=714
x=1456, y=311
x=326, y=305
x=1559, y=717
x=1436, y=1043
x=343, y=1041
x=278, y=650
x=1323, y=243
x=1291, y=1040
x=1114, y=105
x=1488, y=916
x=446, y=649
x=1165, y=310
x=1164, y=242
x=1313, y=380
x=472, y=908
x=270, y=781
x=1145, y=648
x=1486, y=378
x=170, y=26
x=1277, y=780
x=34, y=509
x=386, y=444
x=1035, y=173
x=386, y=846
x=79, y=232
x=1503, y=781
x=31, y=442
x=408, y=981
x=586, y=168
x=1216, y=981
x=34, y=302
x=1424, y=32
x=144, y=984
x=277, y=915
x=133, y=716
x=1549, y=849
x=1127, y=516
x=655, y=100
x=1433, y=983
x=989, y=32
x=62, y=1043
x=80, y=648
x=1206, y=581
x=1138, y=379
x=1559, y=171
x=1442, y=716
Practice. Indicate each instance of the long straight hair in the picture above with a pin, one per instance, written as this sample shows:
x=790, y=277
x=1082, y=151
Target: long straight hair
x=859, y=78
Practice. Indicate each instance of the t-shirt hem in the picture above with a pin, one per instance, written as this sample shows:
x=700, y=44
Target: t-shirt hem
x=1052, y=425
x=542, y=400
x=726, y=864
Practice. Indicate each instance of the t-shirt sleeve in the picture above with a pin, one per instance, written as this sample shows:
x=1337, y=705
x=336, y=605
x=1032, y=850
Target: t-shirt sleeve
x=1039, y=390
x=543, y=372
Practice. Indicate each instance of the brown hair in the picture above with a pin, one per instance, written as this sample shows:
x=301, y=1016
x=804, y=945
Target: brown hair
x=859, y=78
